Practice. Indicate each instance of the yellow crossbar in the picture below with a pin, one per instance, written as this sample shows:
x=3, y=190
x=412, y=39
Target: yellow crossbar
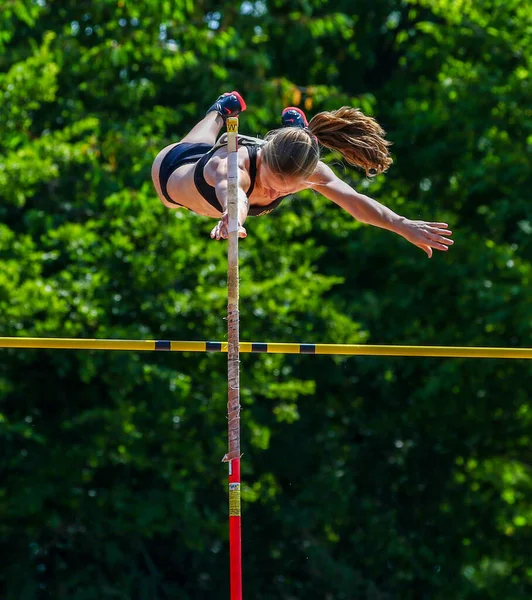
x=272, y=348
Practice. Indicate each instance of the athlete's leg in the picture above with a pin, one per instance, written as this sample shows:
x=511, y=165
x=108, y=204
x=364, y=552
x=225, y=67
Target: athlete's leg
x=230, y=104
x=206, y=131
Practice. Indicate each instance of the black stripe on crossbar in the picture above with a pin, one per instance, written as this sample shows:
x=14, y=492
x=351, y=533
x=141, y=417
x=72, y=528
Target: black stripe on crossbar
x=162, y=345
x=213, y=346
x=307, y=348
x=259, y=347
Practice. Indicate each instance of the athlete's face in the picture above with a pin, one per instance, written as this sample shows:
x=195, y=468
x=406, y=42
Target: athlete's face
x=274, y=185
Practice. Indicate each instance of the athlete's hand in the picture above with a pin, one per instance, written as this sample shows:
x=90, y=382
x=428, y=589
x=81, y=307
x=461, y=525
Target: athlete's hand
x=427, y=235
x=220, y=232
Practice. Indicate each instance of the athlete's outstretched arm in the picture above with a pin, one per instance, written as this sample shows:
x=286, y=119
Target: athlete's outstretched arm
x=423, y=234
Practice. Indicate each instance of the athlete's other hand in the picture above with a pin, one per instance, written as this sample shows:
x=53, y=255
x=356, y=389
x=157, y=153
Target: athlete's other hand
x=220, y=232
x=427, y=235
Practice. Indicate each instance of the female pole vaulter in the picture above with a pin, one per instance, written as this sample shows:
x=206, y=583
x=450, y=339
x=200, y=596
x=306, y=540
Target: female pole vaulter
x=193, y=172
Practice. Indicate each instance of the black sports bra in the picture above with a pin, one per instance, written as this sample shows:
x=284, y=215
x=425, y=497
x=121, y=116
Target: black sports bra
x=209, y=193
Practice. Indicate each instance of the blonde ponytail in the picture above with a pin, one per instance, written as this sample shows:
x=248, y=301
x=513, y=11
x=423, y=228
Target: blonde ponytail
x=359, y=138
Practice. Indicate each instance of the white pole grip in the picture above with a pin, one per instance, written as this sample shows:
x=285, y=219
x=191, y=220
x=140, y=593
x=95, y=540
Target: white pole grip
x=232, y=191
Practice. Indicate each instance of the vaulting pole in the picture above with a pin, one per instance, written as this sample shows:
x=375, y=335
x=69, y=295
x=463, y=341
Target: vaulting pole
x=233, y=364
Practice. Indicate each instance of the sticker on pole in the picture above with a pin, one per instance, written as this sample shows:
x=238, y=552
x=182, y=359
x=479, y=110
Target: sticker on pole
x=232, y=125
x=234, y=500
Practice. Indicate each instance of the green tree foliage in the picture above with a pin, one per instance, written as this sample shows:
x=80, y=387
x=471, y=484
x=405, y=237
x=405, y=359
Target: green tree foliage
x=365, y=478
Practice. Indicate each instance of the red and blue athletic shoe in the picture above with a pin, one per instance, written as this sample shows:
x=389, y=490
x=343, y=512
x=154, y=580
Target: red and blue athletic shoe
x=230, y=104
x=293, y=117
